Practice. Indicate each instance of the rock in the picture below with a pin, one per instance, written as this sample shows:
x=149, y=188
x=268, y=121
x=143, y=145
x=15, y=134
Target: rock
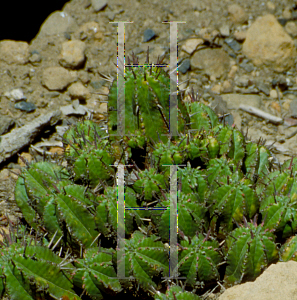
x=219, y=105
x=273, y=94
x=58, y=23
x=208, y=34
x=6, y=124
x=14, y=52
x=278, y=282
x=263, y=87
x=57, y=78
x=287, y=13
x=270, y=6
x=268, y=43
x=240, y=35
x=96, y=85
x=89, y=30
x=293, y=108
x=215, y=62
x=15, y=95
x=233, y=71
x=185, y=65
x=216, y=89
x=243, y=81
x=286, y=104
x=237, y=119
x=227, y=87
x=247, y=66
x=83, y=76
x=148, y=35
x=25, y=106
x=72, y=54
x=191, y=45
x=74, y=109
x=233, y=44
x=98, y=4
x=78, y=91
x=237, y=14
x=35, y=58
x=291, y=28
x=234, y=100
x=224, y=29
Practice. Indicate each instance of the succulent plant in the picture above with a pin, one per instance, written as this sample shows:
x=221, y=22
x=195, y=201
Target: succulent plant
x=289, y=249
x=146, y=103
x=224, y=179
x=30, y=270
x=199, y=259
x=176, y=292
x=191, y=216
x=145, y=257
x=95, y=273
x=250, y=249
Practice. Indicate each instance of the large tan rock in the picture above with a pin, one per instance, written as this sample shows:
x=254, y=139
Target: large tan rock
x=237, y=14
x=214, y=62
x=57, y=78
x=14, y=52
x=58, y=22
x=267, y=43
x=72, y=54
x=278, y=282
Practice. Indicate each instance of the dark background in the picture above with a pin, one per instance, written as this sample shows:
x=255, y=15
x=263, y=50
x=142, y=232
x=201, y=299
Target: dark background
x=21, y=20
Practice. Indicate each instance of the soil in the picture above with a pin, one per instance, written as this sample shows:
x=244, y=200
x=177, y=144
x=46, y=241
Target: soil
x=101, y=52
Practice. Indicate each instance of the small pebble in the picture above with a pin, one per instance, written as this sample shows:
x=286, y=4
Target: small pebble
x=225, y=29
x=216, y=89
x=249, y=67
x=35, y=58
x=270, y=6
x=227, y=87
x=291, y=28
x=6, y=124
x=191, y=45
x=25, y=106
x=15, y=95
x=263, y=87
x=287, y=13
x=237, y=14
x=185, y=65
x=240, y=35
x=243, y=81
x=148, y=35
x=232, y=72
x=90, y=30
x=96, y=85
x=273, y=94
x=286, y=104
x=78, y=91
x=234, y=45
x=98, y=4
x=275, y=106
x=52, y=94
x=57, y=150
